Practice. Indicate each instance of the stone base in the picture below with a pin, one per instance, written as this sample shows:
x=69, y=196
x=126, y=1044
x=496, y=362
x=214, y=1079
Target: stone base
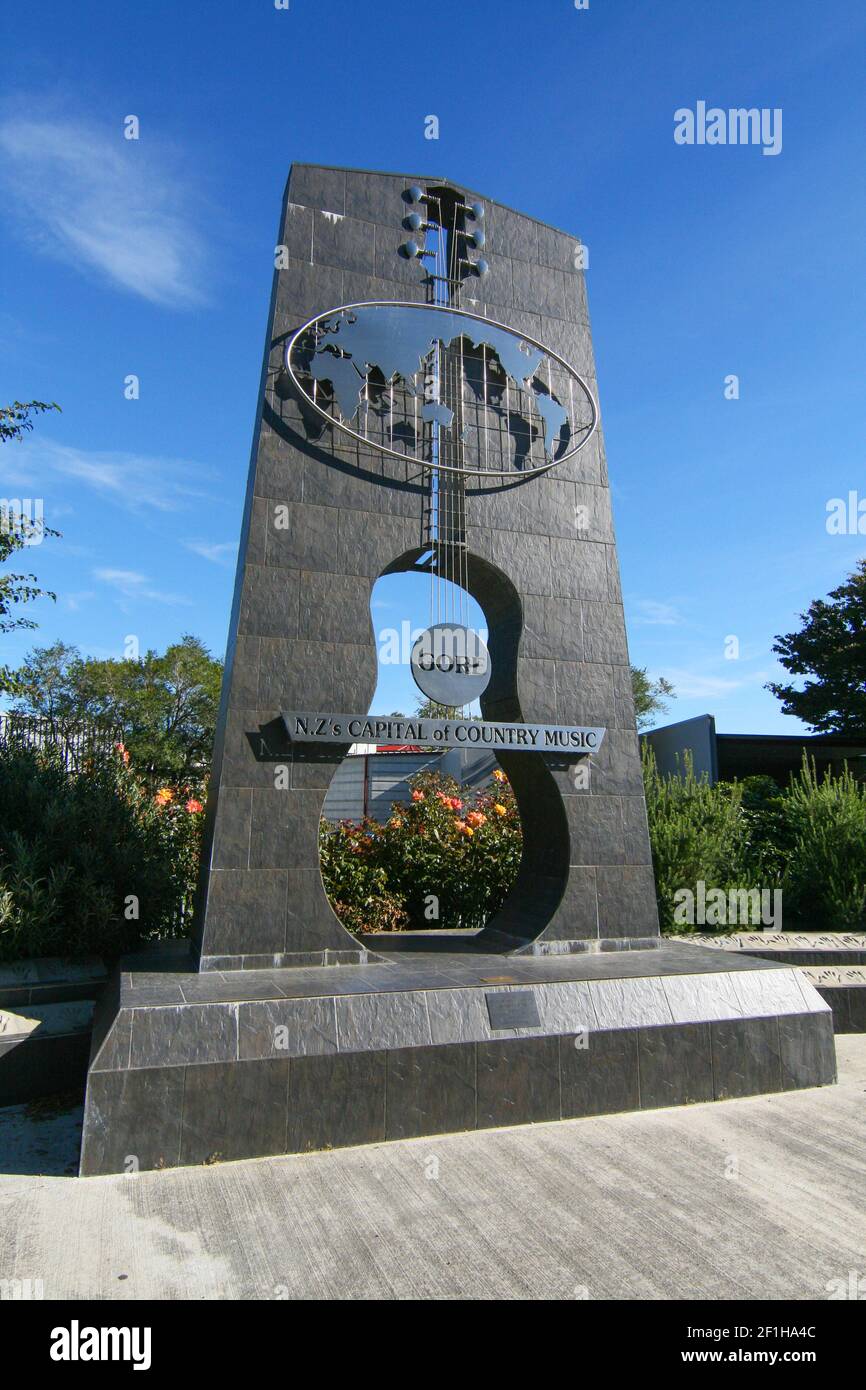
x=788, y=947
x=843, y=987
x=193, y=1068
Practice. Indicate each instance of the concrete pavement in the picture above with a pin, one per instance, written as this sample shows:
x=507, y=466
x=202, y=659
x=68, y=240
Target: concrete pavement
x=757, y=1198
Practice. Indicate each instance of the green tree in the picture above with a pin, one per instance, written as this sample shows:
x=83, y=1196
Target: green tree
x=650, y=696
x=830, y=647
x=163, y=706
x=15, y=419
x=428, y=709
x=16, y=532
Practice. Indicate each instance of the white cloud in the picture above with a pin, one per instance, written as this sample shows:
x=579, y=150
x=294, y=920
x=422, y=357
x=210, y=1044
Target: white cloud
x=692, y=686
x=654, y=614
x=74, y=601
x=133, y=480
x=131, y=584
x=218, y=552
x=91, y=197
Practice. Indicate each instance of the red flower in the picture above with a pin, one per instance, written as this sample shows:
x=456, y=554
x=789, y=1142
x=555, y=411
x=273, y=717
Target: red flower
x=192, y=805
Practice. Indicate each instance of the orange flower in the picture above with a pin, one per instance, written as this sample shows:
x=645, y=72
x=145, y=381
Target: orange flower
x=455, y=803
x=476, y=818
x=164, y=796
x=499, y=775
x=122, y=750
x=500, y=809
x=396, y=822
x=192, y=805
x=417, y=796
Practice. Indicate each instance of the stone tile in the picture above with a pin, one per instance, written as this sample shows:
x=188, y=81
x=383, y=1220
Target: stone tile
x=369, y=1021
x=542, y=289
x=288, y=1028
x=675, y=1065
x=552, y=630
x=528, y=556
x=269, y=602
x=567, y=1007
x=297, y=232
x=511, y=233
x=584, y=695
x=231, y=845
x=807, y=1050
x=636, y=842
x=386, y=538
x=334, y=608
x=317, y=187
x=336, y=1100
x=430, y=1090
x=769, y=992
x=374, y=197
x=457, y=1015
x=344, y=242
x=235, y=1110
x=244, y=673
x=745, y=1057
x=302, y=537
x=700, y=998
x=595, y=829
x=517, y=1081
x=626, y=900
x=285, y=829
x=278, y=481
x=577, y=914
x=599, y=1073
x=182, y=1034
x=630, y=1003
x=246, y=911
x=604, y=632
x=113, y=1052
x=132, y=1120
x=317, y=675
x=579, y=569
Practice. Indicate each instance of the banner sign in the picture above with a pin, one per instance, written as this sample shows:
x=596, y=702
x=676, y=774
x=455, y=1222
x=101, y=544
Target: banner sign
x=304, y=726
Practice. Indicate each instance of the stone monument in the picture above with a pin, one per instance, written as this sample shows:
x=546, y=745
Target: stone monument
x=428, y=403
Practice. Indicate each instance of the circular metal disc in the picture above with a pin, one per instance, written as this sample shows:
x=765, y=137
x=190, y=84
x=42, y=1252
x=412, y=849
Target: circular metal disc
x=450, y=664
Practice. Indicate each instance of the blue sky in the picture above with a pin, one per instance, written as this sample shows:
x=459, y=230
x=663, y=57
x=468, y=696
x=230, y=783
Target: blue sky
x=153, y=257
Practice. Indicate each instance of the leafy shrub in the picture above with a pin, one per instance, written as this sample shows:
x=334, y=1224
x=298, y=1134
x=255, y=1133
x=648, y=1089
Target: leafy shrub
x=77, y=849
x=697, y=832
x=824, y=838
x=357, y=885
x=446, y=859
x=808, y=839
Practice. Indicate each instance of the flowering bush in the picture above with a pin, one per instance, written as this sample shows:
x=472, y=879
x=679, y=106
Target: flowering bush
x=92, y=861
x=447, y=858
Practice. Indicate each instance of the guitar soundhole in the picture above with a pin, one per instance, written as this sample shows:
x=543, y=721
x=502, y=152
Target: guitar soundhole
x=429, y=869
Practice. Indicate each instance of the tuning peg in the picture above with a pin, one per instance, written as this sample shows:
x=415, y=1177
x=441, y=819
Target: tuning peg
x=416, y=194
x=476, y=238
x=413, y=251
x=482, y=267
